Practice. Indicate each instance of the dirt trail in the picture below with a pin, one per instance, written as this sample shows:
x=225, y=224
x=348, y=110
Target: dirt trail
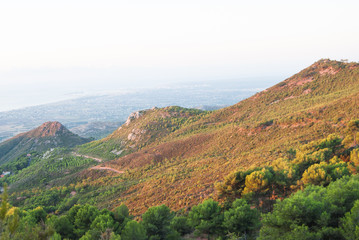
x=98, y=167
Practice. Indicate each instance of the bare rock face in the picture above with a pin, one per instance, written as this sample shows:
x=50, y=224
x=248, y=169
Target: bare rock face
x=136, y=115
x=135, y=134
x=131, y=137
x=133, y=116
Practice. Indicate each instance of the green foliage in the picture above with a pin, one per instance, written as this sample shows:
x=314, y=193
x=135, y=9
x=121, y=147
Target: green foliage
x=38, y=214
x=122, y=216
x=56, y=236
x=21, y=162
x=17, y=225
x=46, y=167
x=92, y=234
x=63, y=226
x=35, y=141
x=206, y=217
x=4, y=203
x=157, y=223
x=85, y=215
x=350, y=223
x=314, y=212
x=181, y=225
x=241, y=219
x=133, y=231
x=103, y=222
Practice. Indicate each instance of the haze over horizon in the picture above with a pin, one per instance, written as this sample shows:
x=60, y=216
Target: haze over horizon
x=54, y=51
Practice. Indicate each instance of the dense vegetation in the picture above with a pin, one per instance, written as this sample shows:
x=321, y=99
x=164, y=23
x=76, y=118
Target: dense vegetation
x=317, y=212
x=39, y=169
x=316, y=163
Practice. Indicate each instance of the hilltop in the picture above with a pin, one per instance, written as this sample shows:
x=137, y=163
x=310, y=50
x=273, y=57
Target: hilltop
x=174, y=156
x=141, y=129
x=48, y=135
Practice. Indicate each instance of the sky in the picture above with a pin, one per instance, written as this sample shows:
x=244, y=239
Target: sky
x=50, y=50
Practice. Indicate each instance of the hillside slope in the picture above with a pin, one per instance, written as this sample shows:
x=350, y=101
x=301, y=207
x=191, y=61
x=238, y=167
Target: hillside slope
x=174, y=156
x=184, y=165
x=48, y=135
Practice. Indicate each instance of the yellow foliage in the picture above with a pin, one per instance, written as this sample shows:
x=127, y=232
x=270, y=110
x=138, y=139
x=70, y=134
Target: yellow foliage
x=354, y=157
x=316, y=175
x=11, y=211
x=335, y=160
x=256, y=181
x=281, y=164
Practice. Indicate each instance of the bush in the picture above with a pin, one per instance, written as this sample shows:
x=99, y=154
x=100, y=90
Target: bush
x=314, y=212
x=133, y=231
x=241, y=219
x=157, y=223
x=206, y=217
x=181, y=225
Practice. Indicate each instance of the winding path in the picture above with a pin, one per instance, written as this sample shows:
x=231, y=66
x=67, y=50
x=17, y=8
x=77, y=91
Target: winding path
x=98, y=167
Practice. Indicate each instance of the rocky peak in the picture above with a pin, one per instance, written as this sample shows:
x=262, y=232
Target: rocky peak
x=133, y=116
x=48, y=129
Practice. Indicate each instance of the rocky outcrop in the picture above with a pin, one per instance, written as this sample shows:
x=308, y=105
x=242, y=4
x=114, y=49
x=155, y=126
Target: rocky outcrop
x=135, y=134
x=133, y=116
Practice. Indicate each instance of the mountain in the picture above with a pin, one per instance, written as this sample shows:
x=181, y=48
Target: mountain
x=174, y=155
x=48, y=135
x=180, y=168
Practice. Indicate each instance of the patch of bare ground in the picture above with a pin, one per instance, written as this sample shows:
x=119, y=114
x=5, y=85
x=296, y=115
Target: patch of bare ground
x=307, y=91
x=330, y=71
x=290, y=97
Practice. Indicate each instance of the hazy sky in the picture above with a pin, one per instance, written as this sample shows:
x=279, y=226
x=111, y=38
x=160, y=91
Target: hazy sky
x=106, y=45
